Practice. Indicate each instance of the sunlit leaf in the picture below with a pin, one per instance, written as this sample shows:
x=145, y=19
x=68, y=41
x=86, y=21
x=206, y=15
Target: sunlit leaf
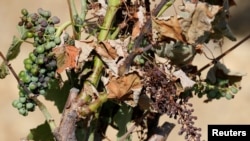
x=186, y=82
x=22, y=31
x=14, y=48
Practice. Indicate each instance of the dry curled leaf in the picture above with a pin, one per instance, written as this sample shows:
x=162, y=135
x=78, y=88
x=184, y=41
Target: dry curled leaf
x=186, y=82
x=86, y=47
x=168, y=28
x=126, y=87
x=196, y=24
x=66, y=57
x=111, y=53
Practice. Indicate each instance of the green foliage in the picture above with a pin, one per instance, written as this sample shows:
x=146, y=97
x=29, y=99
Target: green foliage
x=58, y=94
x=125, y=113
x=41, y=133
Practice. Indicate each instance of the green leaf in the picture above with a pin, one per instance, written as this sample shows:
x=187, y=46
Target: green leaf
x=22, y=31
x=41, y=133
x=122, y=119
x=178, y=53
x=14, y=48
x=58, y=95
x=3, y=71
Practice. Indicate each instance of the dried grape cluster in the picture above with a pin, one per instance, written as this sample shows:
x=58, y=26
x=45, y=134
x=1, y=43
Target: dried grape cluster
x=163, y=93
x=41, y=65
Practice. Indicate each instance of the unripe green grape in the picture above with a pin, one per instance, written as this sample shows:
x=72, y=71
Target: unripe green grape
x=233, y=89
x=22, y=99
x=23, y=111
x=40, y=49
x=39, y=84
x=35, y=69
x=32, y=86
x=22, y=93
x=15, y=102
x=27, y=61
x=26, y=78
x=222, y=82
x=51, y=30
x=52, y=37
x=223, y=94
x=34, y=79
x=29, y=106
x=30, y=34
x=57, y=40
x=24, y=12
x=40, y=60
x=141, y=61
x=28, y=66
x=32, y=56
x=21, y=73
x=51, y=74
x=52, y=44
x=19, y=105
x=42, y=92
x=42, y=71
x=47, y=46
x=229, y=96
x=212, y=94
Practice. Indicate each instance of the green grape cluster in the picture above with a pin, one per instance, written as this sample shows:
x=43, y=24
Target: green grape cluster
x=40, y=66
x=222, y=88
x=23, y=104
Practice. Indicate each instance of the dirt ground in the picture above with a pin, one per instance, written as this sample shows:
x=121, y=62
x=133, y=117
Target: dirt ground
x=236, y=111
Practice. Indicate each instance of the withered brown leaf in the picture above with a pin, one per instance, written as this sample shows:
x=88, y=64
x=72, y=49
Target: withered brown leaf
x=124, y=86
x=169, y=28
x=197, y=26
x=67, y=57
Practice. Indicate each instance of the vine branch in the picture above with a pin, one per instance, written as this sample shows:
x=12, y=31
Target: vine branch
x=223, y=54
